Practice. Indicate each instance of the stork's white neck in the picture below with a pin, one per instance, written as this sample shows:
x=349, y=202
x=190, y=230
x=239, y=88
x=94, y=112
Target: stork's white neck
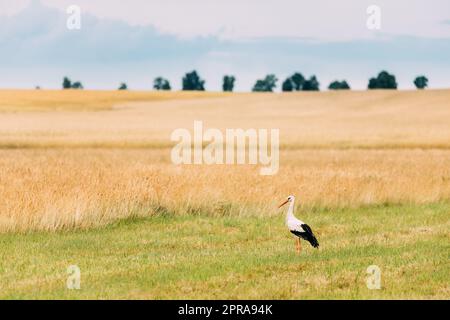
x=290, y=211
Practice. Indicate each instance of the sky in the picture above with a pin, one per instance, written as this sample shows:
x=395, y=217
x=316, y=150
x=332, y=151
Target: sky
x=138, y=40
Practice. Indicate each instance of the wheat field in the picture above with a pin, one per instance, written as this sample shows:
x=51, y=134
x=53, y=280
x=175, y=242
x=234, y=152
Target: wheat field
x=62, y=189
x=88, y=165
x=86, y=179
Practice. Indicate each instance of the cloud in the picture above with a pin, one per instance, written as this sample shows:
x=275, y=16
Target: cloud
x=40, y=33
x=327, y=20
x=36, y=48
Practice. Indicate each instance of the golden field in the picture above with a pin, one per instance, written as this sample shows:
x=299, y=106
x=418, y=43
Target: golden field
x=358, y=119
x=85, y=158
x=65, y=188
x=86, y=179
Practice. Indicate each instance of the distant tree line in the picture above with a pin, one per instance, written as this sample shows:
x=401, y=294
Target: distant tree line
x=339, y=85
x=384, y=80
x=296, y=82
x=268, y=84
x=68, y=84
x=161, y=84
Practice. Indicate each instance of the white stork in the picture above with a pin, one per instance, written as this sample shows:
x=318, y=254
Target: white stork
x=298, y=227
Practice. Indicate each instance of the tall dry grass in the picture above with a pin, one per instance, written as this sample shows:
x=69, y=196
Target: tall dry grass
x=373, y=119
x=60, y=189
x=68, y=167
x=86, y=100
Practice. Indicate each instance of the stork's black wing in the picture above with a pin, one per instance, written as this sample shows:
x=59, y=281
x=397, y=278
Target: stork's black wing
x=309, y=236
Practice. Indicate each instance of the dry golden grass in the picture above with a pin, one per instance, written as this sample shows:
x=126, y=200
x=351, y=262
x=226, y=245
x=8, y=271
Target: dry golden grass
x=62, y=169
x=86, y=100
x=371, y=172
x=372, y=119
x=60, y=189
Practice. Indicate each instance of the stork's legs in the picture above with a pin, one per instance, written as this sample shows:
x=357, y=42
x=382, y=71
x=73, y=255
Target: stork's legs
x=299, y=246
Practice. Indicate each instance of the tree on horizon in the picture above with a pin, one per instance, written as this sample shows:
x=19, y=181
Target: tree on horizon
x=339, y=85
x=228, y=83
x=161, y=84
x=268, y=84
x=298, y=80
x=421, y=82
x=288, y=85
x=77, y=85
x=312, y=84
x=193, y=82
x=67, y=84
x=384, y=80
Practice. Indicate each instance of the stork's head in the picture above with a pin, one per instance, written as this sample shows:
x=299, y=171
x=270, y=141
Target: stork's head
x=289, y=199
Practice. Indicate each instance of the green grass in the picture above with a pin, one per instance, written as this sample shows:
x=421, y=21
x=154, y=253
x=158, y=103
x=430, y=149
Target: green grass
x=169, y=257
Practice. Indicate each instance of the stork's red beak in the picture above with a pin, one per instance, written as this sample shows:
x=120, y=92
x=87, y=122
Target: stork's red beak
x=283, y=204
